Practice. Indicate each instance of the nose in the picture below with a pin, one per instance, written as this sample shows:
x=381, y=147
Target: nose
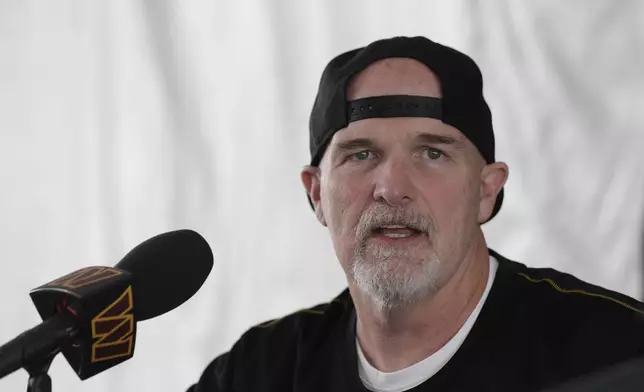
x=393, y=183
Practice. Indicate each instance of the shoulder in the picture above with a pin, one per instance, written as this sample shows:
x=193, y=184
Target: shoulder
x=303, y=324
x=276, y=342
x=265, y=355
x=566, y=291
x=582, y=324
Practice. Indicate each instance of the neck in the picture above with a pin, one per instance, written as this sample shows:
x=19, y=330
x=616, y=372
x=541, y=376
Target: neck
x=393, y=339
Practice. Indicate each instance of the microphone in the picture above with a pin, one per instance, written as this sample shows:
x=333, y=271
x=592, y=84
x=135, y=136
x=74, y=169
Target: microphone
x=90, y=315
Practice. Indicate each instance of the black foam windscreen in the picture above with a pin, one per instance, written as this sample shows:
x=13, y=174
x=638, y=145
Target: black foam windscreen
x=167, y=270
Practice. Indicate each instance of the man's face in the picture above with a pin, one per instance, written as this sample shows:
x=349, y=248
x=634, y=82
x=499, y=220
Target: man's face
x=400, y=196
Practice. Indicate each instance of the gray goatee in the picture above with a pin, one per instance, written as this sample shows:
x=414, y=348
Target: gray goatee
x=394, y=276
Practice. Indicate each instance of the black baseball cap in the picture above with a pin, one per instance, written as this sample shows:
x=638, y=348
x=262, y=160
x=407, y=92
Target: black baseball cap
x=462, y=104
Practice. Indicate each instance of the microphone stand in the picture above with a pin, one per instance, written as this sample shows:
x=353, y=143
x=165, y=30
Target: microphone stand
x=39, y=380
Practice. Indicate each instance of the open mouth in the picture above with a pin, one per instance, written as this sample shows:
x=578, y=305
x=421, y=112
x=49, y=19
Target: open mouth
x=396, y=232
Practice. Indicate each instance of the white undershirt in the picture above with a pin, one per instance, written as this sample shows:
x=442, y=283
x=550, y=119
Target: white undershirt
x=418, y=373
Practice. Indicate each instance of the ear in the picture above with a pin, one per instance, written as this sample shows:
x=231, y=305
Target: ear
x=311, y=180
x=493, y=178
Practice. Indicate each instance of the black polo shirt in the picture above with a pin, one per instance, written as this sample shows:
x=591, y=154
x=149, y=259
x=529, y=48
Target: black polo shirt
x=537, y=329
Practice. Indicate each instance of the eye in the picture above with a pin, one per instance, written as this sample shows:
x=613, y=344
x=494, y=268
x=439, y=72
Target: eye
x=361, y=155
x=433, y=153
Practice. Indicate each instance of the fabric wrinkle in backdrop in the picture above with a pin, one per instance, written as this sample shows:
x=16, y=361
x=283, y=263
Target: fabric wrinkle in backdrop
x=121, y=120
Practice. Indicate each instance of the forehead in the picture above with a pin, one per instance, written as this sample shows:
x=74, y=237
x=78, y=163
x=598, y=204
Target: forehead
x=394, y=131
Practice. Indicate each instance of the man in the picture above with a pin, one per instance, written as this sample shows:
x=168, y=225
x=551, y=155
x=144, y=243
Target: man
x=403, y=174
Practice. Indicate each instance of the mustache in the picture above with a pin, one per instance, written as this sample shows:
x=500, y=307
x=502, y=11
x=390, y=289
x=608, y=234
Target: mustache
x=382, y=215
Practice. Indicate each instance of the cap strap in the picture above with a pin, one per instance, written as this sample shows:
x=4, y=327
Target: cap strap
x=395, y=106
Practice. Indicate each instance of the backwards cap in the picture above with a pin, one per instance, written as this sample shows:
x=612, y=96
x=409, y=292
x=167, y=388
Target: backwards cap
x=462, y=104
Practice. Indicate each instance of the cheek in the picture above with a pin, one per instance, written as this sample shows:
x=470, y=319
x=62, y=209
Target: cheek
x=342, y=208
x=449, y=199
x=342, y=200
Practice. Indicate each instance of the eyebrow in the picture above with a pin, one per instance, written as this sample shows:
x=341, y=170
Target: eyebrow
x=440, y=139
x=352, y=144
x=428, y=138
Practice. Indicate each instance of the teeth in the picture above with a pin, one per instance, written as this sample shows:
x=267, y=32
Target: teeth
x=394, y=227
x=397, y=235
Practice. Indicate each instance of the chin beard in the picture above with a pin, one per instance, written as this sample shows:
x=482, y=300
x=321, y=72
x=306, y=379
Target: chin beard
x=393, y=277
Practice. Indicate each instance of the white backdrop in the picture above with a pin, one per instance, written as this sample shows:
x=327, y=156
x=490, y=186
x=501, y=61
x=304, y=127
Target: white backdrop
x=124, y=119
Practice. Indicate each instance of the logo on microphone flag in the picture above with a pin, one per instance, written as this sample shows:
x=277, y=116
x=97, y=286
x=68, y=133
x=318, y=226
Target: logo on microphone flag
x=113, y=329
x=84, y=277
